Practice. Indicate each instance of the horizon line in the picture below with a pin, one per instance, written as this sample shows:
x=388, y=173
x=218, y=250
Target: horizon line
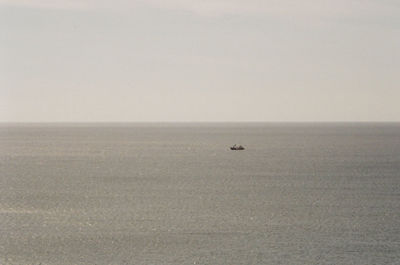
x=283, y=121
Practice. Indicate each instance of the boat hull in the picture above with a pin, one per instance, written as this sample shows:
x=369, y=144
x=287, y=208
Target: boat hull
x=237, y=148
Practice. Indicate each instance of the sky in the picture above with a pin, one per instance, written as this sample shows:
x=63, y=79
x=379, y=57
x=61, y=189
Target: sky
x=199, y=60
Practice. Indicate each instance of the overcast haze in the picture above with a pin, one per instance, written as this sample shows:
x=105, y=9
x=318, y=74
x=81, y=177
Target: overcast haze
x=220, y=60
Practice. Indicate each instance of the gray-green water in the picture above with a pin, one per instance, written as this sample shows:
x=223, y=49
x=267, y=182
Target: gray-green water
x=175, y=194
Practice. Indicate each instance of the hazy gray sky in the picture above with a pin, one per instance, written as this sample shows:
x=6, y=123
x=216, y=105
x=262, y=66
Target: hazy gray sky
x=199, y=60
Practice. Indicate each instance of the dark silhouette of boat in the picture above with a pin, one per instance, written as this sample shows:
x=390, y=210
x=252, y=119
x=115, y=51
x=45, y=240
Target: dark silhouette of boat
x=235, y=147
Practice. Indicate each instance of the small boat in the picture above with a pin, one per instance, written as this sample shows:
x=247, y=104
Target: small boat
x=235, y=147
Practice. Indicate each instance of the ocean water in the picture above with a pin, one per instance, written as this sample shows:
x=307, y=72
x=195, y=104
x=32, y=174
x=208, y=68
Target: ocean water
x=323, y=193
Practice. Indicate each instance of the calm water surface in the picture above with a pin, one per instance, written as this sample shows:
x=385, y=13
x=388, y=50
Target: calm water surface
x=175, y=194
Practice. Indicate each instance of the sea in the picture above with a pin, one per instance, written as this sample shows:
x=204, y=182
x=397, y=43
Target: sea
x=174, y=193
